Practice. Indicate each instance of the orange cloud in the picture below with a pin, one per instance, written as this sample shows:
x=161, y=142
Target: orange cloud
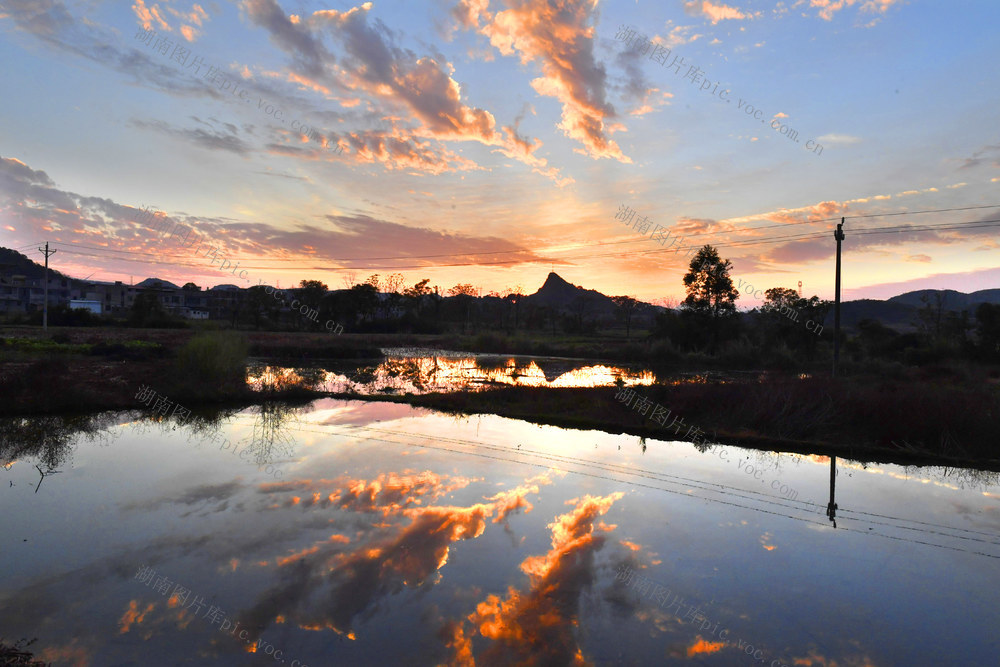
x=454, y=638
x=701, y=646
x=508, y=502
x=375, y=66
x=536, y=626
x=468, y=12
x=560, y=36
x=73, y=654
x=400, y=557
x=133, y=616
x=147, y=15
x=827, y=8
x=713, y=12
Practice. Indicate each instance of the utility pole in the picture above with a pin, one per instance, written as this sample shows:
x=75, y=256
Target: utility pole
x=839, y=235
x=45, y=307
x=831, y=507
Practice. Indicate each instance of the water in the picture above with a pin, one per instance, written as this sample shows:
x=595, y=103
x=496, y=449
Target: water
x=419, y=371
x=358, y=533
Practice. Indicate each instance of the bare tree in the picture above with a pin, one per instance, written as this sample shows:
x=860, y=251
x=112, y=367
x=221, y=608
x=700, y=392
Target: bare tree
x=350, y=279
x=393, y=282
x=670, y=302
x=464, y=289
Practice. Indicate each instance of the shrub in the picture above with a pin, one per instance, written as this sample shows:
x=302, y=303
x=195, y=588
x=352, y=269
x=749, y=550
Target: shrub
x=213, y=364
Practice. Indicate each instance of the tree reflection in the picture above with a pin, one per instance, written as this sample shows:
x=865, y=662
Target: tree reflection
x=48, y=441
x=271, y=432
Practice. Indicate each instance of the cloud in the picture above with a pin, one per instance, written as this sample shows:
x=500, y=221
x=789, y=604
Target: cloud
x=13, y=169
x=467, y=13
x=537, y=626
x=702, y=646
x=292, y=37
x=987, y=154
x=326, y=586
x=803, y=251
x=224, y=139
x=149, y=15
x=133, y=616
x=512, y=501
x=559, y=35
x=196, y=495
x=375, y=67
x=834, y=139
x=827, y=8
x=31, y=202
x=152, y=18
x=51, y=23
x=678, y=35
x=713, y=12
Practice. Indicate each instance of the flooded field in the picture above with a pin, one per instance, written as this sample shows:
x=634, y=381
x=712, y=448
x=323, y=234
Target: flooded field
x=357, y=533
x=418, y=371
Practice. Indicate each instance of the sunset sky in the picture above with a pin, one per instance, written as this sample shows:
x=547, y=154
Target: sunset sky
x=492, y=141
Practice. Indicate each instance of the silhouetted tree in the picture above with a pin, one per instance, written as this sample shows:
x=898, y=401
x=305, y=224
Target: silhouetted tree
x=147, y=311
x=257, y=304
x=710, y=292
x=988, y=329
x=418, y=290
x=363, y=300
x=626, y=308
x=785, y=314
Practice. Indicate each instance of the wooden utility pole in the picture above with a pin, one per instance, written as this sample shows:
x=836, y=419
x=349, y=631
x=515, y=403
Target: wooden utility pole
x=45, y=307
x=839, y=235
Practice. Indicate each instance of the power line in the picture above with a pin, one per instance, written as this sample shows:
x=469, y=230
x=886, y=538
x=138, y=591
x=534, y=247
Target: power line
x=731, y=244
x=624, y=470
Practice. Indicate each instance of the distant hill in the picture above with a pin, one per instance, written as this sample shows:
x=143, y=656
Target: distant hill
x=149, y=283
x=15, y=263
x=898, y=316
x=900, y=312
x=559, y=294
x=952, y=300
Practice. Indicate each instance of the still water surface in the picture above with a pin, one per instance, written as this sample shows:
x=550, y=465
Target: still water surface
x=419, y=371
x=383, y=534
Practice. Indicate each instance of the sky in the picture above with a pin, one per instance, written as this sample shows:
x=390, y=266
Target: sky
x=493, y=141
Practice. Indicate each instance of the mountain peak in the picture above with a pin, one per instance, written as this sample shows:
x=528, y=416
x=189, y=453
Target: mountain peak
x=554, y=280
